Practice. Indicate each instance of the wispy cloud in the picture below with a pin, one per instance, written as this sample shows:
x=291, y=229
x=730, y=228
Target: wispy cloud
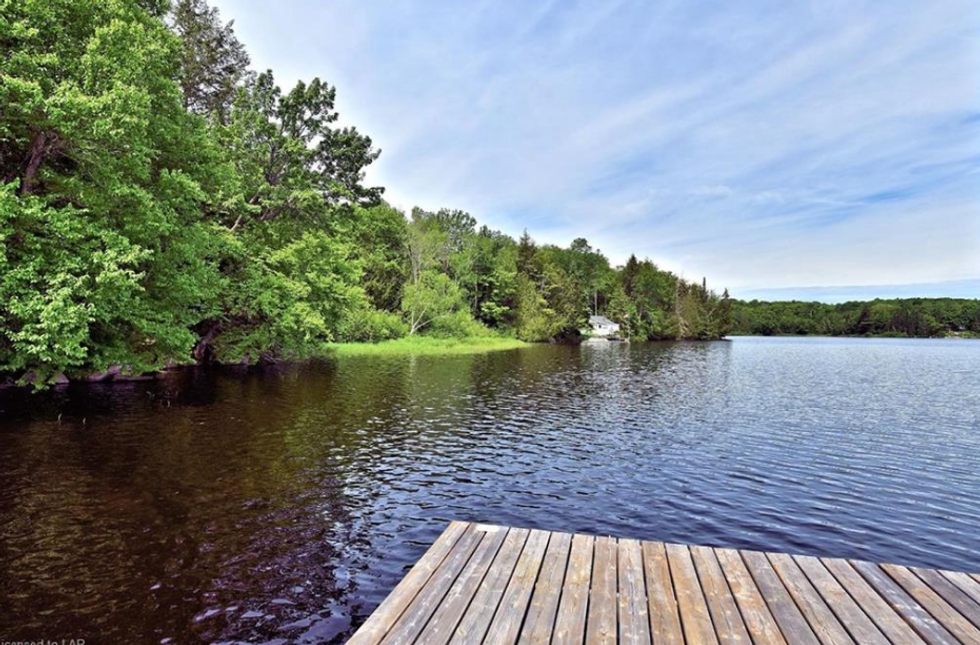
x=763, y=144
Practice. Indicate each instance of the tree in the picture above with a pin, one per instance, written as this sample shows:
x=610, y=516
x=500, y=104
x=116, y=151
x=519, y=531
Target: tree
x=291, y=162
x=432, y=297
x=629, y=274
x=622, y=310
x=454, y=231
x=724, y=315
x=382, y=249
x=297, y=186
x=286, y=302
x=527, y=263
x=427, y=246
x=534, y=321
x=495, y=274
x=903, y=317
x=564, y=296
x=160, y=203
x=550, y=308
x=214, y=62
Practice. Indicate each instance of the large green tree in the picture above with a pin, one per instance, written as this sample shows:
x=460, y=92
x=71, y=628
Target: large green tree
x=298, y=186
x=214, y=63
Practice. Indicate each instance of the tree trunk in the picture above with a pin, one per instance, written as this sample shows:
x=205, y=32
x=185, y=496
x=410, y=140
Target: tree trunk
x=40, y=146
x=203, y=351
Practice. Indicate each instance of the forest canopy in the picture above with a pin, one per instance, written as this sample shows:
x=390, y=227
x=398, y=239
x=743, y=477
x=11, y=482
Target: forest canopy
x=161, y=203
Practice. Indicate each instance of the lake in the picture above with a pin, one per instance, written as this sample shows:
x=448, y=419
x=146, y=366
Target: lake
x=281, y=505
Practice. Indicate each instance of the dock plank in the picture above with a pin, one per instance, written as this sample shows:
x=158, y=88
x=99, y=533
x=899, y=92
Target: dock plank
x=951, y=619
x=570, y=622
x=695, y=617
x=920, y=619
x=665, y=618
x=541, y=615
x=413, y=621
x=758, y=619
x=791, y=622
x=861, y=628
x=966, y=584
x=729, y=627
x=601, y=621
x=482, y=584
x=877, y=609
x=822, y=620
x=950, y=593
x=442, y=625
x=506, y=624
x=475, y=623
x=634, y=619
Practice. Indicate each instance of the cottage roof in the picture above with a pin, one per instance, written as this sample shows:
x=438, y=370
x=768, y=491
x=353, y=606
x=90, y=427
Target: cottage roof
x=600, y=320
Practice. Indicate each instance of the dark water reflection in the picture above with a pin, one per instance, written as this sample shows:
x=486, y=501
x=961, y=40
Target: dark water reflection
x=256, y=506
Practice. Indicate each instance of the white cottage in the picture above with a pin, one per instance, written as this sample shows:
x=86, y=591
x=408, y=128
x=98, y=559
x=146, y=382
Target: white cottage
x=602, y=327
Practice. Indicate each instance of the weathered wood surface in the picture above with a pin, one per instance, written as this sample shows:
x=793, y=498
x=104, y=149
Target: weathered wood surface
x=494, y=585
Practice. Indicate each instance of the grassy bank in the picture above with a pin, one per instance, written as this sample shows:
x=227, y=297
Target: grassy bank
x=428, y=346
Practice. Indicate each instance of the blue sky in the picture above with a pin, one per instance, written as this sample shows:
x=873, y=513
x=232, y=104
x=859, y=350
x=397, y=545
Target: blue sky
x=825, y=149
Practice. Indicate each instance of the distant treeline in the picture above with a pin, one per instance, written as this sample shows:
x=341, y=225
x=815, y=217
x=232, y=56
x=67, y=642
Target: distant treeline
x=920, y=317
x=161, y=203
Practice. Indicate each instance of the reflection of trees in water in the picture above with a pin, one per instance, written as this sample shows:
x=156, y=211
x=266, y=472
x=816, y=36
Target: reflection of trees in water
x=170, y=500
x=51, y=529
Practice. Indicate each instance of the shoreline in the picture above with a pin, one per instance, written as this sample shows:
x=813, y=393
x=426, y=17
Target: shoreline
x=399, y=347
x=411, y=346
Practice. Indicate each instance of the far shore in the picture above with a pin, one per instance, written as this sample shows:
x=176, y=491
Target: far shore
x=953, y=335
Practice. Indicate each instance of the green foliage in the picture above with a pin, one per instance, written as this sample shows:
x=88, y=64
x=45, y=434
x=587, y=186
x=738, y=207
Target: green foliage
x=368, y=325
x=287, y=302
x=214, y=62
x=458, y=324
x=106, y=257
x=495, y=274
x=534, y=321
x=429, y=298
x=290, y=160
x=381, y=247
x=302, y=234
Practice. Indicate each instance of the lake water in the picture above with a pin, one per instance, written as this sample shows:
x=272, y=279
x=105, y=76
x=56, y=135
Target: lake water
x=282, y=505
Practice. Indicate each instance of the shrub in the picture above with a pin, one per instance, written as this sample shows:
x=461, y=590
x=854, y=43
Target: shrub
x=459, y=324
x=366, y=325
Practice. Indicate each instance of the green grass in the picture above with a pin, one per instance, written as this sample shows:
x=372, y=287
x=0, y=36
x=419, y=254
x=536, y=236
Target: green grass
x=428, y=346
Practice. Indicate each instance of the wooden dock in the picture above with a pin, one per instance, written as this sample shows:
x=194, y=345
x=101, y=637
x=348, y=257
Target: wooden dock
x=495, y=585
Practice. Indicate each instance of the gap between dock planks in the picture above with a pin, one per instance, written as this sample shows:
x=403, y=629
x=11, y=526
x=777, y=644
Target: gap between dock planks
x=482, y=584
